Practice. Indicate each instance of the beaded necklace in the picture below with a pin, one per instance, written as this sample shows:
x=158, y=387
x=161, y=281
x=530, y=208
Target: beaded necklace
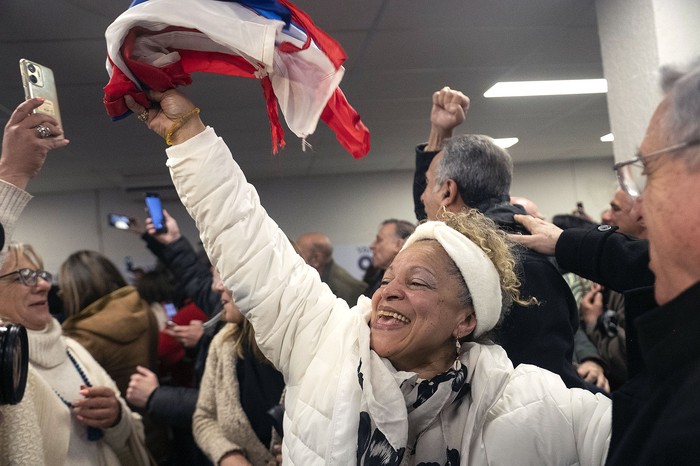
x=93, y=433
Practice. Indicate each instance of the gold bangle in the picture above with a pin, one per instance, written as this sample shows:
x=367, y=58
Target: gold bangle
x=178, y=124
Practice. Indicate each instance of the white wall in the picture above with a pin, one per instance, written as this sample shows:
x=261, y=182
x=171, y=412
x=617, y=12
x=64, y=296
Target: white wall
x=348, y=208
x=557, y=186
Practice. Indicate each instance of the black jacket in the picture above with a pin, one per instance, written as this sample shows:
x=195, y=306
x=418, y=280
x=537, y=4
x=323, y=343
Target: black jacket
x=656, y=414
x=618, y=262
x=175, y=406
x=543, y=334
x=194, y=277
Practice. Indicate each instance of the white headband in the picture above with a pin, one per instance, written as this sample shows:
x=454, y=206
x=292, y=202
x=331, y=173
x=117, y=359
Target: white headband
x=478, y=271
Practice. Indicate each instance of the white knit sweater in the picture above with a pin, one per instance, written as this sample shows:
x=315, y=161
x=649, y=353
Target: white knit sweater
x=41, y=430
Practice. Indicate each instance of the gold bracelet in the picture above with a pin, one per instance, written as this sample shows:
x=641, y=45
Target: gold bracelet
x=178, y=124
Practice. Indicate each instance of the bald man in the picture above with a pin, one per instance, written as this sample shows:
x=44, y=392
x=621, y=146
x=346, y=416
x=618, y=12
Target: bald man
x=529, y=206
x=317, y=251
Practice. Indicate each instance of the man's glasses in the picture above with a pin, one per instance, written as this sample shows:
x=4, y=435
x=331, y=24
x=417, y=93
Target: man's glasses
x=29, y=277
x=624, y=169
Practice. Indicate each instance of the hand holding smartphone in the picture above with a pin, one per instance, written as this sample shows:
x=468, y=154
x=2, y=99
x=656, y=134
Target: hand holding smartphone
x=38, y=81
x=170, y=311
x=155, y=211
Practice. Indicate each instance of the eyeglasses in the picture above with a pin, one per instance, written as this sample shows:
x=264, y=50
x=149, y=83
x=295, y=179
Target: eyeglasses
x=29, y=277
x=624, y=169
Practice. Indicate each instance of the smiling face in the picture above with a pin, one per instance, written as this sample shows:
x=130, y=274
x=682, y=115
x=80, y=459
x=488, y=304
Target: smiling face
x=418, y=312
x=22, y=304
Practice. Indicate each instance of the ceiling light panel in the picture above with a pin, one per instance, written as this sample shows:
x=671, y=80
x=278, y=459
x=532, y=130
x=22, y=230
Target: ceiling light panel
x=557, y=87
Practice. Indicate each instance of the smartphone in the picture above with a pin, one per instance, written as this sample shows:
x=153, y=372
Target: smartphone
x=155, y=211
x=122, y=222
x=38, y=81
x=170, y=310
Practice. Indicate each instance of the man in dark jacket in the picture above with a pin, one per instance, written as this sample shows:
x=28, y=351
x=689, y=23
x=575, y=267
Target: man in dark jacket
x=471, y=171
x=656, y=415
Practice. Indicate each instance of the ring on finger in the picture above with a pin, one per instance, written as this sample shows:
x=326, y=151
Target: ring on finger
x=143, y=116
x=43, y=131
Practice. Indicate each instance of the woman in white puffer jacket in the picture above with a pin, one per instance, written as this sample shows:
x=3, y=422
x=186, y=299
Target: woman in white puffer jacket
x=387, y=381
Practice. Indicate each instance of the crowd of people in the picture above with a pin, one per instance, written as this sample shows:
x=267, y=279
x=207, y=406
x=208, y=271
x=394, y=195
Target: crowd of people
x=480, y=334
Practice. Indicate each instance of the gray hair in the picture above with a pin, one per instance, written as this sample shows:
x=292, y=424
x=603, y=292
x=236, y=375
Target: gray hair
x=682, y=120
x=482, y=170
x=404, y=228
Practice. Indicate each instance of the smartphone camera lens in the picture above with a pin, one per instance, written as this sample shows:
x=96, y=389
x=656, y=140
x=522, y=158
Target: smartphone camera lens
x=31, y=68
x=33, y=79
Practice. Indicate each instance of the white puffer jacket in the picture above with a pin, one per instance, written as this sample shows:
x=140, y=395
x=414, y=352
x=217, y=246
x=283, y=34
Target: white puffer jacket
x=522, y=416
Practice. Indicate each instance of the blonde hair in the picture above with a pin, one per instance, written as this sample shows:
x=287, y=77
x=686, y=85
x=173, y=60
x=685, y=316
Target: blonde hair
x=243, y=336
x=17, y=250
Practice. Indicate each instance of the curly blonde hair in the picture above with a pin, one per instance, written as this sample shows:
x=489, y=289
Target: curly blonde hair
x=483, y=232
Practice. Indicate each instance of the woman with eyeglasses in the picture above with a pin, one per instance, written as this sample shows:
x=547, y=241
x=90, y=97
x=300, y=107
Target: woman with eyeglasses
x=74, y=404
x=107, y=316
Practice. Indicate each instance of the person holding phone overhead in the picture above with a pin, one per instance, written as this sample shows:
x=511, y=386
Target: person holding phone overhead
x=24, y=152
x=407, y=377
x=38, y=82
x=155, y=212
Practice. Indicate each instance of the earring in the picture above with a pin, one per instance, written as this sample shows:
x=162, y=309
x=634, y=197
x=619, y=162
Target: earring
x=458, y=347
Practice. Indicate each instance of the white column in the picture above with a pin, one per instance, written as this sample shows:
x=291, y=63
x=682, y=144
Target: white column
x=637, y=37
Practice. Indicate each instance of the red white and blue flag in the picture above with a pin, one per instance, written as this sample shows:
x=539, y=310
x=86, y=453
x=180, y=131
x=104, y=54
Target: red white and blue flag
x=157, y=44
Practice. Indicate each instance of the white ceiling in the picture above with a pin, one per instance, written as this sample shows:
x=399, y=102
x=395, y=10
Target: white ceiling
x=399, y=52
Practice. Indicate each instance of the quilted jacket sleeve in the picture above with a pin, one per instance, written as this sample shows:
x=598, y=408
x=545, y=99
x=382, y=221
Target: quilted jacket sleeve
x=194, y=276
x=568, y=426
x=291, y=310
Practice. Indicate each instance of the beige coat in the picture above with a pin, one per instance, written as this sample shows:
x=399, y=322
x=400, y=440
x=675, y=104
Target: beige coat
x=219, y=424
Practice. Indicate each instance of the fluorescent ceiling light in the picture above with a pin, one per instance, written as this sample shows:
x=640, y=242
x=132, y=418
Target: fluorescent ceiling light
x=562, y=87
x=607, y=138
x=505, y=143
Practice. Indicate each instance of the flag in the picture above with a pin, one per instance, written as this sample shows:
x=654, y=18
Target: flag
x=158, y=44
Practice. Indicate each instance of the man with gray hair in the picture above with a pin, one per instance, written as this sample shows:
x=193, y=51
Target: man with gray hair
x=662, y=418
x=656, y=415
x=471, y=171
x=390, y=238
x=622, y=214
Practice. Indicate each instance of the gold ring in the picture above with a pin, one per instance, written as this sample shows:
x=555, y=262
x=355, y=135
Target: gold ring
x=143, y=116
